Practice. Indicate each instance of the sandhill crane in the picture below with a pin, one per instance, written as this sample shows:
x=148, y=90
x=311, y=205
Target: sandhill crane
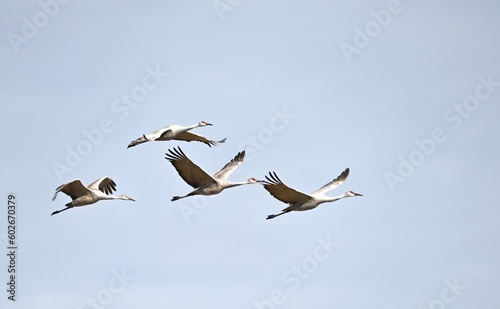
x=203, y=183
x=299, y=201
x=82, y=196
x=176, y=132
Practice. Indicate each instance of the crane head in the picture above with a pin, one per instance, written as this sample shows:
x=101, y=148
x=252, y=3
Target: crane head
x=352, y=193
x=252, y=180
x=204, y=123
x=126, y=198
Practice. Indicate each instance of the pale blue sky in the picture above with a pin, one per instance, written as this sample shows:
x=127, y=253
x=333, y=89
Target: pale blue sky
x=273, y=79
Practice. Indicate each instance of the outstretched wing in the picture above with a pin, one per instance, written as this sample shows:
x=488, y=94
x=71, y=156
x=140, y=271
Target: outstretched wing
x=231, y=166
x=189, y=137
x=73, y=189
x=282, y=192
x=104, y=184
x=334, y=183
x=191, y=173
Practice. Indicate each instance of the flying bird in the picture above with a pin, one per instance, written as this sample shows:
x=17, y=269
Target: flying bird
x=176, y=132
x=299, y=201
x=203, y=183
x=94, y=192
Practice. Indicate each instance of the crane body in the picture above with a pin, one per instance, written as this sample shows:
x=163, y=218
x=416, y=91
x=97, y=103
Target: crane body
x=94, y=192
x=299, y=201
x=176, y=132
x=203, y=183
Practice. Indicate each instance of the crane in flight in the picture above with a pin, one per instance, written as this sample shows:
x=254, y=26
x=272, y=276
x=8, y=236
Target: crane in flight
x=176, y=132
x=299, y=201
x=203, y=183
x=94, y=192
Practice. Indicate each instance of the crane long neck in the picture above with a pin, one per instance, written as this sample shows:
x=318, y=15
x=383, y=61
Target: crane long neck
x=235, y=184
x=191, y=126
x=99, y=195
x=333, y=199
x=111, y=197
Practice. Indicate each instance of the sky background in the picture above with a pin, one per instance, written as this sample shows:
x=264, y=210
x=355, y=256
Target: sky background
x=304, y=89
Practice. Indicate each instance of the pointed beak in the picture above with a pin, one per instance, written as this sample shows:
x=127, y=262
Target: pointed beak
x=131, y=199
x=208, y=124
x=357, y=194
